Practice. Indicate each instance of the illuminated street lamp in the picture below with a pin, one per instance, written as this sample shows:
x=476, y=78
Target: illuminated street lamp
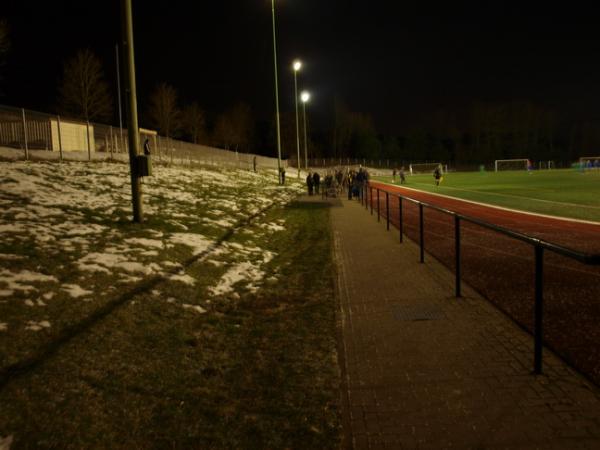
x=297, y=67
x=276, y=97
x=305, y=97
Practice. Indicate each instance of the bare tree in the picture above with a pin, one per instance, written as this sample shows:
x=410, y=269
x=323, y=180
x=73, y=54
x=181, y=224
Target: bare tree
x=223, y=131
x=83, y=91
x=243, y=124
x=4, y=44
x=163, y=111
x=194, y=122
x=4, y=40
x=233, y=129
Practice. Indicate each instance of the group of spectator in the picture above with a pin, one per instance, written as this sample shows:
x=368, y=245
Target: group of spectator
x=336, y=181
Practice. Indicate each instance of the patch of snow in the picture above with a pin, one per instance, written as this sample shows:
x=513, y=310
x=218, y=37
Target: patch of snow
x=271, y=226
x=198, y=309
x=144, y=242
x=197, y=242
x=37, y=326
x=185, y=279
x=16, y=281
x=11, y=257
x=244, y=271
x=6, y=292
x=75, y=290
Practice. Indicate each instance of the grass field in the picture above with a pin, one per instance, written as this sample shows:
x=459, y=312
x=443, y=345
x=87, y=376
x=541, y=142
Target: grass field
x=211, y=325
x=563, y=193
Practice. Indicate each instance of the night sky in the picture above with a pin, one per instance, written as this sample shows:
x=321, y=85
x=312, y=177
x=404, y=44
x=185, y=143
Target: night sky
x=387, y=59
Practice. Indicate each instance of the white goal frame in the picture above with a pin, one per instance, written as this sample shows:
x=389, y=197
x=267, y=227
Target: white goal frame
x=524, y=160
x=424, y=167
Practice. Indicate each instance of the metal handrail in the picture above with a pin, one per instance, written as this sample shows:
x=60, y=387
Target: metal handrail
x=539, y=246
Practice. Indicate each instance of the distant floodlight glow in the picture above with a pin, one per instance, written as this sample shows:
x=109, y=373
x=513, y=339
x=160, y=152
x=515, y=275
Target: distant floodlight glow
x=297, y=65
x=305, y=96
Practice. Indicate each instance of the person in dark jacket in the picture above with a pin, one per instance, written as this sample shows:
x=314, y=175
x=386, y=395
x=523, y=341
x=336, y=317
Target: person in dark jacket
x=309, y=183
x=317, y=182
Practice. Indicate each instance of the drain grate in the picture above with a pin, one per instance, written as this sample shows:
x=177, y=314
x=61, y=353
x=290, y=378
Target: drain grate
x=414, y=313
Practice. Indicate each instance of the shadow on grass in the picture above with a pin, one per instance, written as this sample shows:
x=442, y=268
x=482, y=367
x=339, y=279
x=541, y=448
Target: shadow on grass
x=12, y=371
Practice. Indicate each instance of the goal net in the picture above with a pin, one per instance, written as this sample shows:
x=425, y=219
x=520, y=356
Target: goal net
x=589, y=162
x=511, y=164
x=422, y=167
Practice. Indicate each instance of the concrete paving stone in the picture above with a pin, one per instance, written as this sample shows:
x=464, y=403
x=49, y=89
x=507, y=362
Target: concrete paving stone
x=459, y=379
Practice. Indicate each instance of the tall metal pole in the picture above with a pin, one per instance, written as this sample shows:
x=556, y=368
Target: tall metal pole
x=119, y=95
x=305, y=141
x=297, y=126
x=276, y=96
x=133, y=129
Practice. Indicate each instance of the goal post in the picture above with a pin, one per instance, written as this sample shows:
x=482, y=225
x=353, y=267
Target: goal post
x=511, y=164
x=423, y=167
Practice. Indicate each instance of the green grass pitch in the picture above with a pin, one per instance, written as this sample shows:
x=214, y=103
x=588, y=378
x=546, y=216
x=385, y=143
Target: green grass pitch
x=564, y=193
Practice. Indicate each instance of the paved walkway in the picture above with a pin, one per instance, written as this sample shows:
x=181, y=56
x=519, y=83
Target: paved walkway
x=425, y=370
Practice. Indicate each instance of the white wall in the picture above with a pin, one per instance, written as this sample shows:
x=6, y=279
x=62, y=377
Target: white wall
x=74, y=136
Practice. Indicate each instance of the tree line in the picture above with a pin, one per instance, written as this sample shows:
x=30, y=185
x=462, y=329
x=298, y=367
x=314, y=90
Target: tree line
x=478, y=133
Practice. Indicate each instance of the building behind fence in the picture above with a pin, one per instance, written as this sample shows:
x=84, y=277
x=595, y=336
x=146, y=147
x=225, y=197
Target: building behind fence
x=47, y=136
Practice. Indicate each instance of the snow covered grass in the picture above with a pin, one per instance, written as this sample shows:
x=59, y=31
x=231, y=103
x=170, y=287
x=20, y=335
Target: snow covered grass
x=68, y=240
x=194, y=336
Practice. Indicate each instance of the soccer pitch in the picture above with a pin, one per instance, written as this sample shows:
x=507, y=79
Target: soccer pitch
x=563, y=193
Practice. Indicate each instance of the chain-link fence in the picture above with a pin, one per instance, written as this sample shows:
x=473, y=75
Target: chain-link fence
x=36, y=135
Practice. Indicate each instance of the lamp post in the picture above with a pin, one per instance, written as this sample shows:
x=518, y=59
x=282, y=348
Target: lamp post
x=297, y=67
x=276, y=97
x=305, y=97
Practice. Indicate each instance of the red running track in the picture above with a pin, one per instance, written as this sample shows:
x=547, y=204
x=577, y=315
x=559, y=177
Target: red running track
x=580, y=236
x=502, y=268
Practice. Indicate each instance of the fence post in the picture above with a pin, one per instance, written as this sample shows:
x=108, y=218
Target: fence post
x=371, y=196
x=378, y=207
x=421, y=234
x=60, y=149
x=365, y=196
x=387, y=210
x=111, y=143
x=539, y=309
x=88, y=141
x=401, y=225
x=457, y=253
x=25, y=134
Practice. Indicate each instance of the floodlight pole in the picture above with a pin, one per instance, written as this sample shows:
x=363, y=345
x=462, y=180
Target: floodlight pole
x=305, y=140
x=296, y=68
x=132, y=117
x=276, y=97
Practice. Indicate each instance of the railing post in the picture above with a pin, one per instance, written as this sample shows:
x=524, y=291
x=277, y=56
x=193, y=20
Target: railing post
x=89, y=147
x=371, y=196
x=378, y=208
x=401, y=225
x=25, y=134
x=539, y=309
x=421, y=234
x=457, y=254
x=387, y=210
x=365, y=196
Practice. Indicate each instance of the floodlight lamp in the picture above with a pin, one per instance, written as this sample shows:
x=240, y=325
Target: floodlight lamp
x=305, y=97
x=297, y=65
